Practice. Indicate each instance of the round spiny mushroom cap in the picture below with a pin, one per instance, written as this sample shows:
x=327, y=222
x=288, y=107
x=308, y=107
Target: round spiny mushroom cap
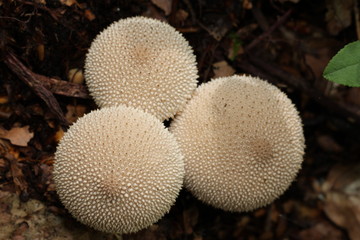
x=118, y=169
x=242, y=142
x=143, y=63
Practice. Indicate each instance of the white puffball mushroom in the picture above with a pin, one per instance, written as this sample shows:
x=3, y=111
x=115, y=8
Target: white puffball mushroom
x=242, y=141
x=118, y=169
x=143, y=63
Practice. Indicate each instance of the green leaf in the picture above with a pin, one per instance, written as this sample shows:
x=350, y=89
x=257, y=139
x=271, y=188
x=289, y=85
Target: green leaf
x=236, y=45
x=344, y=67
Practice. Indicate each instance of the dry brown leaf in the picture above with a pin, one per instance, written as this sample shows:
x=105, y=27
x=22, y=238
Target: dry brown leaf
x=321, y=231
x=293, y=1
x=4, y=99
x=318, y=62
x=68, y=2
x=165, y=5
x=41, y=52
x=328, y=144
x=181, y=15
x=223, y=69
x=188, y=29
x=76, y=75
x=302, y=211
x=306, y=212
x=33, y=220
x=259, y=212
x=89, y=15
x=16, y=171
x=342, y=203
x=247, y=4
x=19, y=136
x=338, y=15
x=58, y=135
x=190, y=219
x=198, y=238
x=151, y=233
x=153, y=12
x=217, y=28
x=74, y=112
x=3, y=164
x=353, y=96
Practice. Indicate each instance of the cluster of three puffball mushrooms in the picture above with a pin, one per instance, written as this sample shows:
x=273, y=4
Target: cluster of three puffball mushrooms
x=235, y=143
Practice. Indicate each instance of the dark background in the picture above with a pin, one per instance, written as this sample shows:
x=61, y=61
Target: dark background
x=285, y=42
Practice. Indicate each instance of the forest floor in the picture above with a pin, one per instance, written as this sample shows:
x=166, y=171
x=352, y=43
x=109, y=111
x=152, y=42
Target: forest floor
x=43, y=44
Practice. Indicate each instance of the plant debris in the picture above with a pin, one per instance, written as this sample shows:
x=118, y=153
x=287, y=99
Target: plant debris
x=43, y=45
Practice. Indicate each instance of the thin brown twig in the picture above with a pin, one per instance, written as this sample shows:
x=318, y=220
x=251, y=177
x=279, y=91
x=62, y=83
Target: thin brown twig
x=210, y=63
x=53, y=14
x=35, y=84
x=207, y=60
x=191, y=9
x=260, y=18
x=13, y=18
x=266, y=34
x=64, y=88
x=56, y=15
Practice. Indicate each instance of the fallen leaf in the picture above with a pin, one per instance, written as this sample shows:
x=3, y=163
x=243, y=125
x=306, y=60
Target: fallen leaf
x=317, y=62
x=293, y=1
x=76, y=75
x=266, y=235
x=74, y=112
x=4, y=99
x=89, y=15
x=342, y=202
x=190, y=219
x=58, y=135
x=236, y=47
x=216, y=26
x=68, y=2
x=151, y=233
x=165, y=5
x=247, y=4
x=19, y=136
x=82, y=5
x=353, y=96
x=3, y=164
x=41, y=52
x=181, y=15
x=16, y=172
x=338, y=15
x=34, y=220
x=328, y=144
x=302, y=211
x=260, y=212
x=321, y=231
x=223, y=69
x=188, y=29
x=153, y=12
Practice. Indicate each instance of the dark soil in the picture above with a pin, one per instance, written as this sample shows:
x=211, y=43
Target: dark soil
x=287, y=43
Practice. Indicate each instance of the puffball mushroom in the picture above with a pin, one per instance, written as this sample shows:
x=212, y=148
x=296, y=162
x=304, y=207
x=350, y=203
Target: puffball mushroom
x=242, y=141
x=118, y=169
x=143, y=63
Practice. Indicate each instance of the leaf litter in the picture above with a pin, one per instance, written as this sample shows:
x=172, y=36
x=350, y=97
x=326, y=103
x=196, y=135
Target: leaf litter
x=286, y=42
